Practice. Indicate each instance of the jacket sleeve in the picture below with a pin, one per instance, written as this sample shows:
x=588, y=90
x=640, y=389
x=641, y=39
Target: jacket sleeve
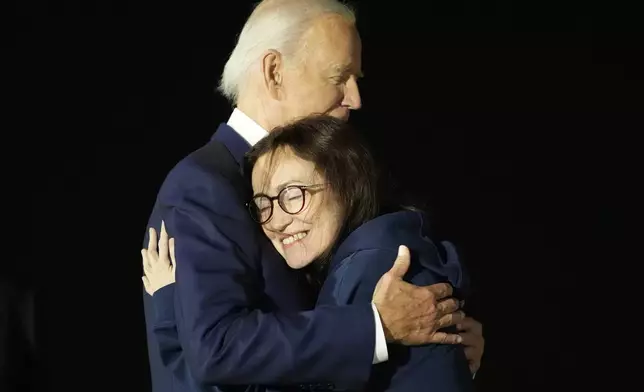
x=224, y=338
x=165, y=330
x=166, y=336
x=434, y=367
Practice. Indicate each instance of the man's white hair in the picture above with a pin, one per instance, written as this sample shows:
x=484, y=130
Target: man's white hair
x=276, y=25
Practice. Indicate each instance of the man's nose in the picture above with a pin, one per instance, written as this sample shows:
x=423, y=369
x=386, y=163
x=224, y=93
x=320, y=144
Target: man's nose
x=352, y=98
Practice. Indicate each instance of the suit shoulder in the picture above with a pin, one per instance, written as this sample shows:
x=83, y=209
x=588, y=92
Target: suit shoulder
x=207, y=176
x=211, y=160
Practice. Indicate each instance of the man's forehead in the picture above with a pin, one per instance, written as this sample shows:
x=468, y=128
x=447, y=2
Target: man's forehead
x=335, y=41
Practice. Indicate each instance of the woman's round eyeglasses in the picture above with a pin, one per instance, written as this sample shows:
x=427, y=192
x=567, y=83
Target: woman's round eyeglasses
x=291, y=200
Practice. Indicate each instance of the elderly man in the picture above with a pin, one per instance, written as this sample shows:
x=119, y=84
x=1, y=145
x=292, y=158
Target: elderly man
x=240, y=312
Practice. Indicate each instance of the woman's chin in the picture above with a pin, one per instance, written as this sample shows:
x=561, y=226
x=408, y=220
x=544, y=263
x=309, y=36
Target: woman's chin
x=298, y=263
x=299, y=255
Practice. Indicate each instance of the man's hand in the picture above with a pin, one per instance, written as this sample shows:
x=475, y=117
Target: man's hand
x=412, y=315
x=472, y=333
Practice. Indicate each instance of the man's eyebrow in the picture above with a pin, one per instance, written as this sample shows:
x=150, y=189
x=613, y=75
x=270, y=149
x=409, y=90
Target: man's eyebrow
x=347, y=69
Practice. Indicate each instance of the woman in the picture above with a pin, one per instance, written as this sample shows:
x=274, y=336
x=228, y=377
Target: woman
x=316, y=198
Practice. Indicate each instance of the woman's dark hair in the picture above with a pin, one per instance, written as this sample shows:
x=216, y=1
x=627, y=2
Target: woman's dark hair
x=340, y=156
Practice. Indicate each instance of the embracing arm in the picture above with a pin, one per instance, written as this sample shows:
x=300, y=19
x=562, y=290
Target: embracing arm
x=164, y=326
x=165, y=331
x=436, y=367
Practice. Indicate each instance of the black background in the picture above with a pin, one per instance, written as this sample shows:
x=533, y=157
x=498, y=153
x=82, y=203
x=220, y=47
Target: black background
x=508, y=118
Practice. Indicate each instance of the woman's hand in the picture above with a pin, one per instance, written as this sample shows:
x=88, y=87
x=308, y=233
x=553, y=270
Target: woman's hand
x=159, y=267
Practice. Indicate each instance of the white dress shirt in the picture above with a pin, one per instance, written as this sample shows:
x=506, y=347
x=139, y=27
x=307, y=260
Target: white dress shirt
x=252, y=133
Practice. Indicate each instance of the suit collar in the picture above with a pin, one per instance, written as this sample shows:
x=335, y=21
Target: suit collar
x=233, y=141
x=239, y=134
x=251, y=131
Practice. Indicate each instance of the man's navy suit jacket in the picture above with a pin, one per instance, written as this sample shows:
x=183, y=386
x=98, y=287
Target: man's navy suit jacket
x=238, y=308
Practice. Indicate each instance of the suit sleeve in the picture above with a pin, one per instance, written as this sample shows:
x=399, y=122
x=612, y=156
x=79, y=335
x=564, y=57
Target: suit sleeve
x=165, y=330
x=166, y=335
x=435, y=367
x=224, y=338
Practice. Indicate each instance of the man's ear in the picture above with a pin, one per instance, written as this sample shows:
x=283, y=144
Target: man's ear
x=272, y=71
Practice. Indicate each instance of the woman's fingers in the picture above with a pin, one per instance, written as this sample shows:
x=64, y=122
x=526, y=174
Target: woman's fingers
x=152, y=244
x=147, y=267
x=172, y=258
x=163, y=245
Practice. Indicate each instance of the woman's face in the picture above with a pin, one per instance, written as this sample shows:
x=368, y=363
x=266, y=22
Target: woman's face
x=302, y=236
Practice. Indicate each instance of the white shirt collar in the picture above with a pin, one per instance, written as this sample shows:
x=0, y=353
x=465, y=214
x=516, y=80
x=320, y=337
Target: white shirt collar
x=246, y=127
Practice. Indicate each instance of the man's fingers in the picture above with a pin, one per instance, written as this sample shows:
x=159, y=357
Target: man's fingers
x=450, y=319
x=447, y=306
x=470, y=339
x=429, y=326
x=441, y=290
x=444, y=338
x=470, y=353
x=172, y=259
x=401, y=264
x=472, y=326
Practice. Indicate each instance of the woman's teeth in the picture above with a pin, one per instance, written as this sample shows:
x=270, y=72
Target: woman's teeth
x=293, y=238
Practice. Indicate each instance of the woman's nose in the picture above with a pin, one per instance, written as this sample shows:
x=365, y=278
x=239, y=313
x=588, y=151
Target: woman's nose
x=280, y=220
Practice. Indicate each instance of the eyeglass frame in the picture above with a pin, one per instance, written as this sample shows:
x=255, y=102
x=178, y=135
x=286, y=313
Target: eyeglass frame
x=302, y=188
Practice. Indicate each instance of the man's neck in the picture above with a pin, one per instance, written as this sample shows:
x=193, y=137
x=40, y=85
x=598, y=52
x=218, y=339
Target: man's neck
x=255, y=113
